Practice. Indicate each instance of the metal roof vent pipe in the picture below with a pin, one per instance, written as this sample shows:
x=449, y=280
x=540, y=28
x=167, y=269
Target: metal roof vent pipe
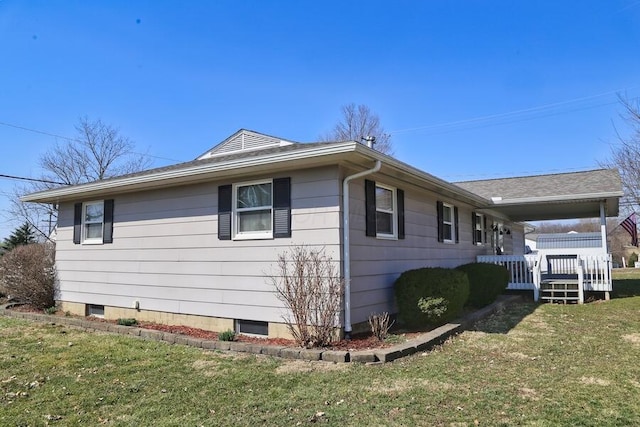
x=370, y=140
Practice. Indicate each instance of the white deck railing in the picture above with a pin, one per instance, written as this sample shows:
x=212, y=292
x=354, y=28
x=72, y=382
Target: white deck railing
x=525, y=270
x=520, y=268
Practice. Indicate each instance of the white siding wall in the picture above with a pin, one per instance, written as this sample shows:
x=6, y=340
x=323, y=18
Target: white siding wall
x=166, y=253
x=376, y=263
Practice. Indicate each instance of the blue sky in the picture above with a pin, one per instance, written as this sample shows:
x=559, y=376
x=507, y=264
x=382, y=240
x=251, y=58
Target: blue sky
x=468, y=89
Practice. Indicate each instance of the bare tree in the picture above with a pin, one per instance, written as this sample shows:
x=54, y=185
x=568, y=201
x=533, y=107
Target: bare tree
x=359, y=122
x=626, y=154
x=98, y=152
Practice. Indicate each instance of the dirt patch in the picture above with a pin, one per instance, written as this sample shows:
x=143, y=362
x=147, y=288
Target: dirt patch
x=205, y=365
x=594, y=381
x=632, y=338
x=401, y=386
x=528, y=393
x=297, y=366
x=518, y=355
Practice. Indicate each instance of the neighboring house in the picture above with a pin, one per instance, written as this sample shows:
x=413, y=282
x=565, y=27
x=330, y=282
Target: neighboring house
x=578, y=243
x=193, y=243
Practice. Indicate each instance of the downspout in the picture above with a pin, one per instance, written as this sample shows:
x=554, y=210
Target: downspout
x=346, y=255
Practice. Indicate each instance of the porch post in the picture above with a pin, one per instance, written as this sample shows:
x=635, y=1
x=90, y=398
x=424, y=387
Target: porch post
x=603, y=227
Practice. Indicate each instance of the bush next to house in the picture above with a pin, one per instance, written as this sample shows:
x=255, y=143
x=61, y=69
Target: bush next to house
x=486, y=282
x=633, y=258
x=430, y=296
x=28, y=275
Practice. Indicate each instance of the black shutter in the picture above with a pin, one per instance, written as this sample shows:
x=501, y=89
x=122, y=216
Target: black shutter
x=224, y=212
x=400, y=201
x=474, y=223
x=440, y=210
x=108, y=221
x=282, y=207
x=370, y=207
x=455, y=220
x=77, y=223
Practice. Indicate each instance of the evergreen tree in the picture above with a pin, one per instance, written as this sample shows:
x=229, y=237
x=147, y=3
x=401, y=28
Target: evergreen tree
x=22, y=235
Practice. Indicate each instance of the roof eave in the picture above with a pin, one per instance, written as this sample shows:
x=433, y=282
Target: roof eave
x=451, y=190
x=559, y=198
x=187, y=174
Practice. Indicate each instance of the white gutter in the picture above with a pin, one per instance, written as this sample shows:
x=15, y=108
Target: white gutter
x=346, y=255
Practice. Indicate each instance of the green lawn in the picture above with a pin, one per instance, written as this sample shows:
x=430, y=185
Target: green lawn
x=529, y=365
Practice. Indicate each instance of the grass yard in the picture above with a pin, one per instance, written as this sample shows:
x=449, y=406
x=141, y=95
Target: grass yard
x=532, y=364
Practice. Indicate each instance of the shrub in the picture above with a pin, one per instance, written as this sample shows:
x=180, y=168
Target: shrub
x=486, y=282
x=430, y=296
x=28, y=275
x=51, y=310
x=308, y=283
x=227, y=335
x=380, y=324
x=127, y=321
x=432, y=306
x=633, y=258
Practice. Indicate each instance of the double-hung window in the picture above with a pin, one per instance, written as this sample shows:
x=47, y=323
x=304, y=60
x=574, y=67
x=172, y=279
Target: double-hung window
x=93, y=222
x=447, y=222
x=385, y=211
x=253, y=209
x=478, y=228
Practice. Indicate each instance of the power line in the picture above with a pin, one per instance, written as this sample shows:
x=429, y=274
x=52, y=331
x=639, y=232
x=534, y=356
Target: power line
x=31, y=179
x=514, y=114
x=75, y=139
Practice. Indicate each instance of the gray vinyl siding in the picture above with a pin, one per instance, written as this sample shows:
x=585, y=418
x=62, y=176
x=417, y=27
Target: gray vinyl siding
x=166, y=253
x=376, y=263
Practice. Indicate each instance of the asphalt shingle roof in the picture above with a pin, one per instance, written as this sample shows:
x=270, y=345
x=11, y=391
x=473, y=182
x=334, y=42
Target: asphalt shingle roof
x=560, y=184
x=224, y=158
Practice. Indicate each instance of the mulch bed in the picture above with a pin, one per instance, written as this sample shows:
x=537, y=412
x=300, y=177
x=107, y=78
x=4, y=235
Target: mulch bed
x=357, y=342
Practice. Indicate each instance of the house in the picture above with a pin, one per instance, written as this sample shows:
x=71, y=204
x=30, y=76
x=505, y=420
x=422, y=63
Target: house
x=193, y=243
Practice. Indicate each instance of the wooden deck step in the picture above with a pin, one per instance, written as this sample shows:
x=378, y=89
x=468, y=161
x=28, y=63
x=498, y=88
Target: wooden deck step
x=560, y=290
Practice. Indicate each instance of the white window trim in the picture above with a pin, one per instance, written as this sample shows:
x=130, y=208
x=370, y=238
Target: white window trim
x=95, y=240
x=247, y=334
x=237, y=235
x=480, y=227
x=90, y=308
x=452, y=223
x=394, y=214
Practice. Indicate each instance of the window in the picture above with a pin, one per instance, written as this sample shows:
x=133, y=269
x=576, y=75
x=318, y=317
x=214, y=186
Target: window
x=384, y=211
x=93, y=222
x=95, y=310
x=479, y=232
x=447, y=222
x=252, y=327
x=253, y=209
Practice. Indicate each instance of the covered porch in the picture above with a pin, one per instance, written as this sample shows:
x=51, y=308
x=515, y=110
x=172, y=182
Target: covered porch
x=560, y=274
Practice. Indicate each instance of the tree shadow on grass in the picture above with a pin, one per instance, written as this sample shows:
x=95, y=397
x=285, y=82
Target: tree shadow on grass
x=626, y=288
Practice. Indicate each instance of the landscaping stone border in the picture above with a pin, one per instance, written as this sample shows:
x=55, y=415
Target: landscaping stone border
x=421, y=343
